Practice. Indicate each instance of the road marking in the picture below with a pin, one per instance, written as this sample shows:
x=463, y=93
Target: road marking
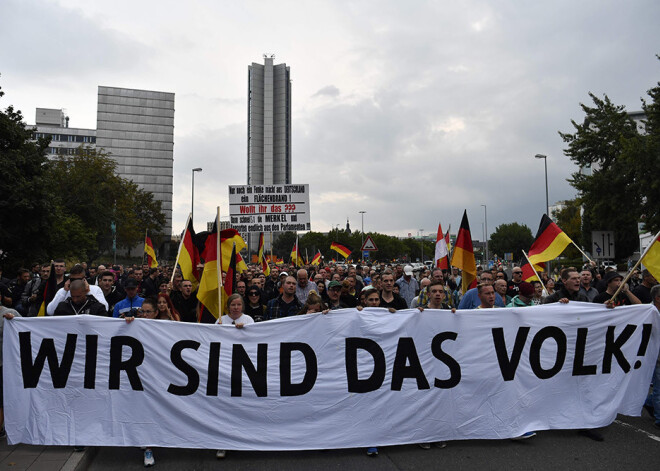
x=648, y=434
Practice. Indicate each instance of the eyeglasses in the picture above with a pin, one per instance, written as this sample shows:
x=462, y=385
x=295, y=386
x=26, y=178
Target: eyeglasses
x=517, y=273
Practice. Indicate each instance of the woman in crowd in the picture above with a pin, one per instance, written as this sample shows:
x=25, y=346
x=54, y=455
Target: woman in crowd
x=550, y=286
x=313, y=304
x=255, y=308
x=235, y=307
x=166, y=309
x=320, y=288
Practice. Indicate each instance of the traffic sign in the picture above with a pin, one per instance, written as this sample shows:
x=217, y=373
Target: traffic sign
x=602, y=244
x=369, y=245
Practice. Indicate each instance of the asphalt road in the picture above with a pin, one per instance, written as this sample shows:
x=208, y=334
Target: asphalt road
x=630, y=443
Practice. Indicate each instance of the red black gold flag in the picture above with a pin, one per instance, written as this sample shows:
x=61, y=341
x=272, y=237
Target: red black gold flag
x=343, y=250
x=549, y=243
x=463, y=256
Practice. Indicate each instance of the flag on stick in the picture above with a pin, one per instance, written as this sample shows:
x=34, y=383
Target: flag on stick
x=188, y=257
x=549, y=243
x=317, y=258
x=343, y=250
x=262, y=258
x=651, y=257
x=463, y=256
x=441, y=250
x=208, y=285
x=229, y=238
x=149, y=250
x=49, y=290
x=296, y=259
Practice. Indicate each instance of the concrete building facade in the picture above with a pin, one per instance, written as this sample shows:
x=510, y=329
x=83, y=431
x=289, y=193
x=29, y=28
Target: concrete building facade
x=64, y=140
x=136, y=127
x=269, y=123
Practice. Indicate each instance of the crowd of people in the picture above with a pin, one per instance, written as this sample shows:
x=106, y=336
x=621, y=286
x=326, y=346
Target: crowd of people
x=163, y=293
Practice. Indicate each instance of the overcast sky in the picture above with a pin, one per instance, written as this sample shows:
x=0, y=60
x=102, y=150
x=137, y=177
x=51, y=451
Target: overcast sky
x=410, y=111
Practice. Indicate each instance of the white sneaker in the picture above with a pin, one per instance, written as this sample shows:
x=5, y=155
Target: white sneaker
x=220, y=454
x=149, y=458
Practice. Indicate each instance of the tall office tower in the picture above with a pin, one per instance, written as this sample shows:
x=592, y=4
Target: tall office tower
x=269, y=123
x=137, y=128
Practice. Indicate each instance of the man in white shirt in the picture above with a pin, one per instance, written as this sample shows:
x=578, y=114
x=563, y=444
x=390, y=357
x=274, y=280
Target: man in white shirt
x=76, y=273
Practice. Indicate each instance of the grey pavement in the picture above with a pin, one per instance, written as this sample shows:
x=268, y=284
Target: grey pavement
x=43, y=458
x=630, y=443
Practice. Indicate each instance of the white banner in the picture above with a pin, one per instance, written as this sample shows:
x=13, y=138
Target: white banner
x=269, y=208
x=345, y=379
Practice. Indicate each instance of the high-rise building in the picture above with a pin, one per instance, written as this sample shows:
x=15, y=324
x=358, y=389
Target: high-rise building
x=136, y=127
x=269, y=123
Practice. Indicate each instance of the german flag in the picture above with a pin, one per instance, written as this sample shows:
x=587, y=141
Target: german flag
x=317, y=258
x=49, y=291
x=550, y=242
x=528, y=274
x=151, y=253
x=229, y=238
x=208, y=285
x=463, y=256
x=188, y=258
x=343, y=250
x=296, y=259
x=262, y=259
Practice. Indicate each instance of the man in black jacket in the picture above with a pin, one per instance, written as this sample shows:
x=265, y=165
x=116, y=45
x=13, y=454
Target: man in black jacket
x=79, y=302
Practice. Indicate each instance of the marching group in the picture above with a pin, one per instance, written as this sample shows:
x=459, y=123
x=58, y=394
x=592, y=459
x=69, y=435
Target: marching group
x=162, y=293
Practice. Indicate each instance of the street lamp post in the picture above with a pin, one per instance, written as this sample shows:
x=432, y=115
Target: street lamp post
x=547, y=203
x=362, y=214
x=486, y=231
x=422, y=236
x=192, y=193
x=545, y=161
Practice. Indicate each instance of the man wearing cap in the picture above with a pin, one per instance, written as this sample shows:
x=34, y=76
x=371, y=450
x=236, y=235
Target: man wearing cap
x=408, y=285
x=286, y=304
x=625, y=296
x=334, y=296
x=131, y=303
x=524, y=296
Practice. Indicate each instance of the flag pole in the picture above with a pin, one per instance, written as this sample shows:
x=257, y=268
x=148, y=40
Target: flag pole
x=535, y=272
x=144, y=251
x=625, y=280
x=218, y=263
x=178, y=254
x=582, y=251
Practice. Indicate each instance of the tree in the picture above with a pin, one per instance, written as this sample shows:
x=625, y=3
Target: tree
x=26, y=209
x=511, y=238
x=64, y=207
x=610, y=201
x=87, y=190
x=570, y=221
